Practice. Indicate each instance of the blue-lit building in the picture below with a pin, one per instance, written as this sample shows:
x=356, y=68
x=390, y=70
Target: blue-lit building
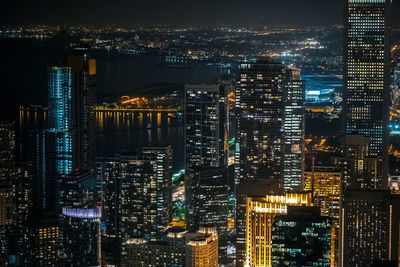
x=322, y=88
x=70, y=115
x=60, y=90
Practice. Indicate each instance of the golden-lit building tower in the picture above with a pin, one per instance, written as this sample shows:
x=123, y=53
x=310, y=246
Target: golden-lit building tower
x=260, y=214
x=202, y=248
x=325, y=183
x=6, y=205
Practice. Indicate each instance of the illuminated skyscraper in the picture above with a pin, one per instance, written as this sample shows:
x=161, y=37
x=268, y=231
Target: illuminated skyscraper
x=366, y=76
x=71, y=119
x=293, y=132
x=257, y=205
x=261, y=211
x=270, y=137
x=205, y=139
x=211, y=203
x=369, y=226
x=325, y=183
x=137, y=195
x=80, y=218
x=81, y=233
x=205, y=126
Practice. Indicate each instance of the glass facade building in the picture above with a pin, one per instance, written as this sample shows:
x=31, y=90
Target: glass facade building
x=293, y=132
x=367, y=77
x=205, y=139
x=301, y=238
x=270, y=137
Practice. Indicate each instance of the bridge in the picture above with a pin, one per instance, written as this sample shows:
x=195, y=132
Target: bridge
x=128, y=110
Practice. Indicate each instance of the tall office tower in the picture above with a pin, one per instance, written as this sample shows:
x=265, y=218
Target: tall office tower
x=294, y=132
x=81, y=233
x=205, y=138
x=270, y=101
x=325, y=183
x=71, y=119
x=301, y=238
x=261, y=211
x=205, y=129
x=212, y=205
x=257, y=205
x=366, y=77
x=202, y=248
x=366, y=218
x=370, y=227
x=137, y=195
x=163, y=155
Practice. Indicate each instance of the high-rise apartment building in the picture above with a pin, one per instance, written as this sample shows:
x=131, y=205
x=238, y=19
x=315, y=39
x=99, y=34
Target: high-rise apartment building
x=205, y=139
x=293, y=132
x=70, y=115
x=205, y=126
x=137, y=191
x=270, y=137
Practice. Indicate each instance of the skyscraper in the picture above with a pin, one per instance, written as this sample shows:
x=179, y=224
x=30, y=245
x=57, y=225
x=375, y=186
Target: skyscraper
x=71, y=118
x=212, y=205
x=137, y=190
x=270, y=137
x=293, y=131
x=205, y=140
x=366, y=76
x=325, y=183
x=369, y=227
x=366, y=215
x=261, y=211
x=205, y=128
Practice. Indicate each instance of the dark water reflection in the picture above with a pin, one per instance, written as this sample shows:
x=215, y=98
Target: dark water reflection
x=121, y=131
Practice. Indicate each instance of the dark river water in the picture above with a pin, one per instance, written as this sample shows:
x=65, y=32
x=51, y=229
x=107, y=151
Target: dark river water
x=24, y=82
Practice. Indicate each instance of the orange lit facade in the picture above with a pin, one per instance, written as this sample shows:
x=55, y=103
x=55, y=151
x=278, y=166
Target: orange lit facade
x=260, y=215
x=202, y=250
x=325, y=182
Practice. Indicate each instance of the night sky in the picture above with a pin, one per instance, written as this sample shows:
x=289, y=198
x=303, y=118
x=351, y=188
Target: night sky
x=175, y=12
